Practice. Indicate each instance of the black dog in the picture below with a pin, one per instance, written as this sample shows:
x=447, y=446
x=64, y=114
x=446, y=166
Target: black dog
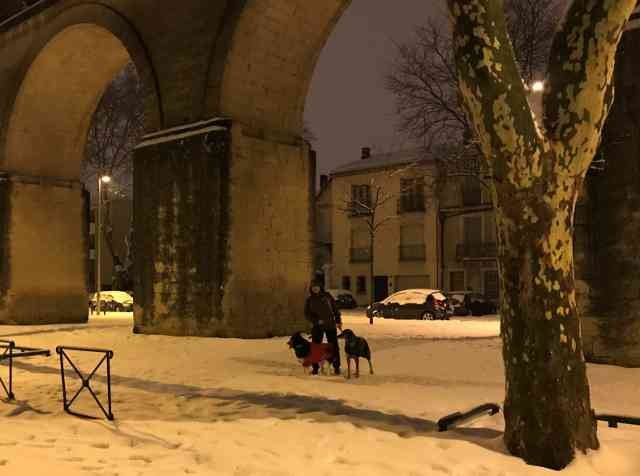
x=310, y=353
x=355, y=347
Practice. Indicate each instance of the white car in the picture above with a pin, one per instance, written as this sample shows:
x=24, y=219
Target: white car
x=117, y=301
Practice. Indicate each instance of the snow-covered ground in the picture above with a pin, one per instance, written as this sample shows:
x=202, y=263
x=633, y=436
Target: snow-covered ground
x=244, y=407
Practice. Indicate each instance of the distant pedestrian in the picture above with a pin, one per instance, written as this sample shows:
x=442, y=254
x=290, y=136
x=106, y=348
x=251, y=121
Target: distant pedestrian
x=321, y=311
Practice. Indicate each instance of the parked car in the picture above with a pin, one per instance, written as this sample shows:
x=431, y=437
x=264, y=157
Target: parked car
x=425, y=304
x=344, y=299
x=112, y=301
x=458, y=302
x=469, y=302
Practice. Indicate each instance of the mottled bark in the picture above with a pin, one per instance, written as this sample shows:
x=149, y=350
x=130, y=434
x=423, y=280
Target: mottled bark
x=537, y=175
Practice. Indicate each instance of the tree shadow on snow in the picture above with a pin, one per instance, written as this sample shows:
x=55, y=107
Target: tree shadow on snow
x=277, y=368
x=63, y=328
x=195, y=403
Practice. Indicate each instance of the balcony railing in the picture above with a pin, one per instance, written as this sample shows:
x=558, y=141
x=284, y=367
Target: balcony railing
x=412, y=252
x=476, y=251
x=411, y=204
x=360, y=255
x=359, y=209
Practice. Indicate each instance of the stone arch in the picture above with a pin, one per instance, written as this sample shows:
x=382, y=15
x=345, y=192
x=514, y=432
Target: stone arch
x=260, y=67
x=58, y=83
x=264, y=61
x=61, y=81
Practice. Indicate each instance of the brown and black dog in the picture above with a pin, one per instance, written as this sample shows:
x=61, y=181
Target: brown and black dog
x=310, y=353
x=355, y=347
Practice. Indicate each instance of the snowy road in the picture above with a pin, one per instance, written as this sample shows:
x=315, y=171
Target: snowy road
x=235, y=407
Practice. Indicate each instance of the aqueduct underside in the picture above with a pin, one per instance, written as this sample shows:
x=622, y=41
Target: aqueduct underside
x=222, y=206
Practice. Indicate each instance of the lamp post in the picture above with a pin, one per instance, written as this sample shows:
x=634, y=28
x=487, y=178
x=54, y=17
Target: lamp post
x=101, y=179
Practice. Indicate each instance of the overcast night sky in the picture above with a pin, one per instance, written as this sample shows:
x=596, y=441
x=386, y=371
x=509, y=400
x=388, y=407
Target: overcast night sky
x=348, y=106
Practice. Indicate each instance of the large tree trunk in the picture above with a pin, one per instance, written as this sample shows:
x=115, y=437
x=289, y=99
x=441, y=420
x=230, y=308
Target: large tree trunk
x=536, y=176
x=547, y=406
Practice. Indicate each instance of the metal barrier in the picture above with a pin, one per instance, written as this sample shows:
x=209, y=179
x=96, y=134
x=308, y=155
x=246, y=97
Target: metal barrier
x=456, y=418
x=12, y=351
x=613, y=420
x=108, y=355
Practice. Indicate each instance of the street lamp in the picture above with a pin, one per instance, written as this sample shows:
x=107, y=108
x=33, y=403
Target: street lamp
x=535, y=90
x=101, y=179
x=537, y=86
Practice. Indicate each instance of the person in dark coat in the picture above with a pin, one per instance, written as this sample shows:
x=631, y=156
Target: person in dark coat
x=321, y=311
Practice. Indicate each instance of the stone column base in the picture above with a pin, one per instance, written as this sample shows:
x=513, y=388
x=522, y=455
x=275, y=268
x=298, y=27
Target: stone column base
x=43, y=251
x=623, y=350
x=222, y=233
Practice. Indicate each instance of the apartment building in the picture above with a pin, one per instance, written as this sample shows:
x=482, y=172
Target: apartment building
x=323, y=245
x=405, y=253
x=469, y=251
x=440, y=236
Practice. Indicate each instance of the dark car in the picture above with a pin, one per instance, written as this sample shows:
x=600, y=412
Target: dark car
x=425, y=304
x=468, y=302
x=344, y=299
x=458, y=303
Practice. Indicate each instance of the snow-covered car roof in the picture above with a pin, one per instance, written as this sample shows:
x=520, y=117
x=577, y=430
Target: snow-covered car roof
x=414, y=296
x=118, y=296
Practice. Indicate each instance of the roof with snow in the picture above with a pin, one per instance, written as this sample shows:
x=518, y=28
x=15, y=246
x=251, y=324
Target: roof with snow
x=383, y=161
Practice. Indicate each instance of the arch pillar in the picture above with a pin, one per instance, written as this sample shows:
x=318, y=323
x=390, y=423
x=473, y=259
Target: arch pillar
x=612, y=326
x=42, y=283
x=223, y=247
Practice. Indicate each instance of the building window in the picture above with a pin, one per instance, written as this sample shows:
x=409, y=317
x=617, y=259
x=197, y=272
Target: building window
x=472, y=230
x=491, y=284
x=360, y=252
x=346, y=283
x=361, y=285
x=456, y=281
x=471, y=192
x=412, y=245
x=360, y=199
x=411, y=195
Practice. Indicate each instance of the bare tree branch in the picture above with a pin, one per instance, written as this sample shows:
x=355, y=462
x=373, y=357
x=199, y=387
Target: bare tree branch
x=117, y=125
x=424, y=81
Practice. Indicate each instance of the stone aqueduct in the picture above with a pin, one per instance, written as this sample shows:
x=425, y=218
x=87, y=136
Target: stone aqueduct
x=222, y=206
x=222, y=180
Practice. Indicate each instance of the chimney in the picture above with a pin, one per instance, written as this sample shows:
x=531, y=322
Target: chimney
x=324, y=180
x=366, y=153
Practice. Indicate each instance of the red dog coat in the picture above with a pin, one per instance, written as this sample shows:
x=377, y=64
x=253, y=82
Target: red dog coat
x=318, y=353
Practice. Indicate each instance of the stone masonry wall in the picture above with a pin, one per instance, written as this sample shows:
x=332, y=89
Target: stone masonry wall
x=611, y=329
x=270, y=236
x=43, y=274
x=181, y=227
